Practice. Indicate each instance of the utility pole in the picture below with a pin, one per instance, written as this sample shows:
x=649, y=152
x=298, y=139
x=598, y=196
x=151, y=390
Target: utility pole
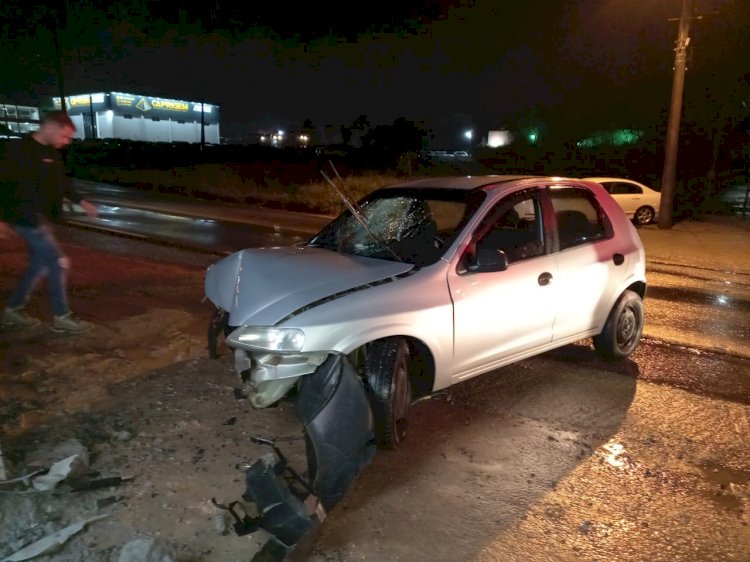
x=59, y=64
x=203, y=124
x=675, y=111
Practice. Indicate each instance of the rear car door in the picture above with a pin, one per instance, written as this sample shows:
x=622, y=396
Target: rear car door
x=627, y=194
x=590, y=265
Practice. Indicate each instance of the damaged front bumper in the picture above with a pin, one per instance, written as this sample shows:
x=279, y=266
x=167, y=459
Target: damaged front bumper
x=268, y=374
x=337, y=421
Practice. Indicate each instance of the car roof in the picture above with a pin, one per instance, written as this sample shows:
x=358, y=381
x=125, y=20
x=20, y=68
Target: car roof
x=598, y=179
x=460, y=182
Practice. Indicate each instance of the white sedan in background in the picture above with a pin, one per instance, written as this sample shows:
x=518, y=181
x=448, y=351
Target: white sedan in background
x=640, y=203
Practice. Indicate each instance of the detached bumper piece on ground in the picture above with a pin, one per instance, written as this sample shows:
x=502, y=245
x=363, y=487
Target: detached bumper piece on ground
x=340, y=442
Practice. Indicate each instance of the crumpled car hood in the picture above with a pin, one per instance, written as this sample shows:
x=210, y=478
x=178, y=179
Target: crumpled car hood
x=263, y=285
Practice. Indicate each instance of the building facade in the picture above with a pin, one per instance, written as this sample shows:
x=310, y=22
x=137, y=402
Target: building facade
x=118, y=115
x=17, y=120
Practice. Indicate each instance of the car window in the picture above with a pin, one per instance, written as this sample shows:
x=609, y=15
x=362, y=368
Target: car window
x=623, y=188
x=580, y=218
x=514, y=226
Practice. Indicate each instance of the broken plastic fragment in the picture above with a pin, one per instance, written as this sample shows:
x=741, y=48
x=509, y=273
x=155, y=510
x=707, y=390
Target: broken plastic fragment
x=59, y=471
x=50, y=543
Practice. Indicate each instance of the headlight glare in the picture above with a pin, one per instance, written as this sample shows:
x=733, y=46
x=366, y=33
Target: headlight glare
x=271, y=339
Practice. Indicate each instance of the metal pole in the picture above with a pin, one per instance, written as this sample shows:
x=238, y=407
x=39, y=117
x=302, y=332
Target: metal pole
x=203, y=125
x=61, y=21
x=93, y=122
x=673, y=127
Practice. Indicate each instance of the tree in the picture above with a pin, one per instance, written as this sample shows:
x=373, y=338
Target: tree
x=361, y=123
x=346, y=134
x=388, y=142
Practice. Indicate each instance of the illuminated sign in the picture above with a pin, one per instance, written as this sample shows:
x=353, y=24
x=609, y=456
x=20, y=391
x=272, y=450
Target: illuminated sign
x=171, y=105
x=124, y=101
x=136, y=105
x=79, y=103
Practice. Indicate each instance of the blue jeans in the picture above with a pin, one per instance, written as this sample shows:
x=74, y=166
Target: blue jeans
x=45, y=259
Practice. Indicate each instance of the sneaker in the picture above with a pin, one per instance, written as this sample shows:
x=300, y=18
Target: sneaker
x=17, y=318
x=69, y=323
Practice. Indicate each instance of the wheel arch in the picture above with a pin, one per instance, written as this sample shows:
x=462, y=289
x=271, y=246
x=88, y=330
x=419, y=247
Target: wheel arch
x=638, y=287
x=421, y=366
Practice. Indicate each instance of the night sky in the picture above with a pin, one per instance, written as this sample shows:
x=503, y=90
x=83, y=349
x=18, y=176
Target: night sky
x=577, y=65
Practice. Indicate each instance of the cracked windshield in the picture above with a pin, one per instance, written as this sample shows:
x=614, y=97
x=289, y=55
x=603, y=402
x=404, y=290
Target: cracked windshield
x=414, y=226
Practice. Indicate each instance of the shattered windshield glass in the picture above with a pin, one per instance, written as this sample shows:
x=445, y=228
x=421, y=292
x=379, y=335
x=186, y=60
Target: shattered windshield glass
x=411, y=225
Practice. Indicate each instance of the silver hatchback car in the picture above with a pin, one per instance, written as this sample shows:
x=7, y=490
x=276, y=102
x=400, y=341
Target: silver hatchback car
x=415, y=288
x=427, y=283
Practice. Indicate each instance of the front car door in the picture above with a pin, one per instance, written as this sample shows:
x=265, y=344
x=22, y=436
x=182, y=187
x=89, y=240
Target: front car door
x=501, y=314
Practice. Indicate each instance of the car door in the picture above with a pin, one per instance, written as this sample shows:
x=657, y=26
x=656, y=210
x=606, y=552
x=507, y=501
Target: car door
x=589, y=265
x=499, y=314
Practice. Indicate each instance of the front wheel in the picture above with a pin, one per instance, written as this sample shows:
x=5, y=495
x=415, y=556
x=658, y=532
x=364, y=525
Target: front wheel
x=623, y=328
x=643, y=215
x=388, y=387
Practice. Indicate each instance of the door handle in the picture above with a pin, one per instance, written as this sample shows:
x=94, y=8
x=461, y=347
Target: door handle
x=544, y=279
x=619, y=259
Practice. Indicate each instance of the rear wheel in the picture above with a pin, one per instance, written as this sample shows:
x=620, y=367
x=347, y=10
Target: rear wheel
x=623, y=328
x=386, y=367
x=643, y=215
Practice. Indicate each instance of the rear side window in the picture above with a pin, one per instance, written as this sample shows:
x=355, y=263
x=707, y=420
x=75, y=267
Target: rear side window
x=580, y=218
x=622, y=188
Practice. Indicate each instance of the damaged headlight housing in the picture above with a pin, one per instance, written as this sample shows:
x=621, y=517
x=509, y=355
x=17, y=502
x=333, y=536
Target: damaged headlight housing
x=267, y=338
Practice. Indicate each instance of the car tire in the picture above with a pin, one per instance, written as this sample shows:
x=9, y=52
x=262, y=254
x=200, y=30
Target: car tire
x=644, y=215
x=623, y=328
x=386, y=367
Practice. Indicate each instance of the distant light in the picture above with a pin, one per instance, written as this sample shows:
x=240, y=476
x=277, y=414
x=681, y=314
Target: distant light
x=496, y=139
x=532, y=137
x=469, y=134
x=280, y=133
x=263, y=138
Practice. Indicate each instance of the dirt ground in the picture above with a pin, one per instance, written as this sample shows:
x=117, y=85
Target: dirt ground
x=500, y=468
x=141, y=395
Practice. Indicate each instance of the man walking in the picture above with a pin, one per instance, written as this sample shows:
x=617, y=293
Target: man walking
x=32, y=188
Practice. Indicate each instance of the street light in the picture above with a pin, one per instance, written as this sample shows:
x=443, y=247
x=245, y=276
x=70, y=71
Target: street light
x=468, y=134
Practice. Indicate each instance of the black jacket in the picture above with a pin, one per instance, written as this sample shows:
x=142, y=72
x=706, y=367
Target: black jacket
x=33, y=183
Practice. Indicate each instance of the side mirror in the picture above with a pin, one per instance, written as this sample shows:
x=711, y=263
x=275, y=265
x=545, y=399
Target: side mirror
x=488, y=260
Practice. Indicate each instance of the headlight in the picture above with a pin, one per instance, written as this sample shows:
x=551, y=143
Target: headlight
x=271, y=339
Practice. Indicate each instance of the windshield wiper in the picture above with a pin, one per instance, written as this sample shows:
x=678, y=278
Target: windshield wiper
x=357, y=212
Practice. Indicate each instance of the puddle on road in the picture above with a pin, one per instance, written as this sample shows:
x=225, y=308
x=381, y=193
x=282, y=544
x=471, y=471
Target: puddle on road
x=690, y=296
x=724, y=477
